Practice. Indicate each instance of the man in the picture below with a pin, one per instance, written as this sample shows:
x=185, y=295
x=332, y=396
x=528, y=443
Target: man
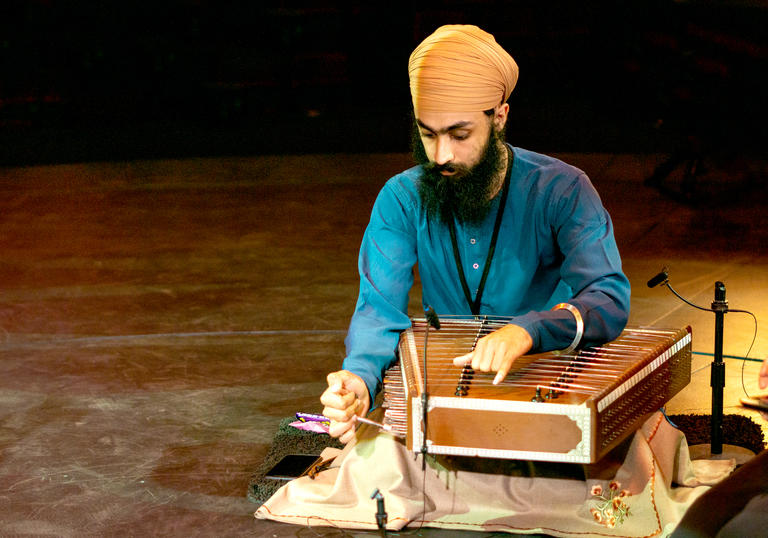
x=494, y=229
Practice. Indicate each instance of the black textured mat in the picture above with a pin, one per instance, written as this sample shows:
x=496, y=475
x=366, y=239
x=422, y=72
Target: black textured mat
x=738, y=430
x=287, y=440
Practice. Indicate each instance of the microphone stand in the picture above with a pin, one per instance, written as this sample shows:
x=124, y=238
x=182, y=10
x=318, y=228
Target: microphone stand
x=424, y=403
x=381, y=514
x=432, y=321
x=717, y=374
x=717, y=378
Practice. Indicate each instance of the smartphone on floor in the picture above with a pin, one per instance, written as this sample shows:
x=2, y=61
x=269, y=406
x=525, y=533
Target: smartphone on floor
x=292, y=466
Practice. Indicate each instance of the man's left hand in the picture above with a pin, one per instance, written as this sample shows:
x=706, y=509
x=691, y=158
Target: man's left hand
x=497, y=351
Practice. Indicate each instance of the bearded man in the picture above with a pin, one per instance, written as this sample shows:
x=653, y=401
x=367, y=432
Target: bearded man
x=495, y=230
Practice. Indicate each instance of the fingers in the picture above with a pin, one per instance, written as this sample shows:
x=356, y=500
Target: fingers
x=502, y=373
x=464, y=359
x=339, y=407
x=495, y=356
x=348, y=435
x=340, y=404
x=335, y=381
x=344, y=381
x=343, y=431
x=345, y=397
x=490, y=355
x=487, y=356
x=342, y=422
x=763, y=378
x=498, y=351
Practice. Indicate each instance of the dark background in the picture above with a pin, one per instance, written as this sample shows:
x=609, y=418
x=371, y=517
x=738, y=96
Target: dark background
x=122, y=80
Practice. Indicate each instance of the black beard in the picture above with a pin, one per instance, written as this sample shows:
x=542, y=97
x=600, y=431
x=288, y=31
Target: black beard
x=467, y=194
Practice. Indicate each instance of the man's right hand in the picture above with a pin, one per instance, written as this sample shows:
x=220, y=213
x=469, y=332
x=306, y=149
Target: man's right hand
x=345, y=397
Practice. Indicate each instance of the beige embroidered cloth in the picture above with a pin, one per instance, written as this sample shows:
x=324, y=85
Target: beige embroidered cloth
x=640, y=490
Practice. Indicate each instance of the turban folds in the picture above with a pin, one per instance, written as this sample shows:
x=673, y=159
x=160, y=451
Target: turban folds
x=460, y=68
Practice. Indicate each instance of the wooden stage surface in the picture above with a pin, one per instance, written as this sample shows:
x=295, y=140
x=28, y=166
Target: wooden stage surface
x=159, y=318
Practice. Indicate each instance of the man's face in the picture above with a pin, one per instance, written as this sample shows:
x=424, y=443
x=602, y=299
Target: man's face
x=463, y=159
x=454, y=142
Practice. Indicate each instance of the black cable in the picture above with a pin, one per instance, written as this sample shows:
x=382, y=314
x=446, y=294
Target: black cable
x=686, y=301
x=735, y=311
x=744, y=359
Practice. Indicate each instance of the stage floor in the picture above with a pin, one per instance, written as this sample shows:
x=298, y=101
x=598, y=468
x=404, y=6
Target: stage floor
x=159, y=318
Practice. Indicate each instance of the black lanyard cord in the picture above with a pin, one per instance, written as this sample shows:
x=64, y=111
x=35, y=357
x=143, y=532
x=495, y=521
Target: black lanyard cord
x=474, y=305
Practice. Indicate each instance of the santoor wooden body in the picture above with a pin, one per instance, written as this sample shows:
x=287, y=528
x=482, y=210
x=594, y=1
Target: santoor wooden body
x=587, y=402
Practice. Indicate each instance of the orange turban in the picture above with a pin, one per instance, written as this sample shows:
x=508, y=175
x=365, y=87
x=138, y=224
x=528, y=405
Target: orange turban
x=460, y=68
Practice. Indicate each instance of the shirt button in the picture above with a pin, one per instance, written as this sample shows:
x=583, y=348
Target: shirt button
x=473, y=240
x=475, y=265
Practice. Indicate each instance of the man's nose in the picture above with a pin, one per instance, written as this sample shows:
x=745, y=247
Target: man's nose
x=443, y=150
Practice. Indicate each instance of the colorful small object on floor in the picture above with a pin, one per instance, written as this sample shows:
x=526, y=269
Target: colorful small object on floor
x=311, y=423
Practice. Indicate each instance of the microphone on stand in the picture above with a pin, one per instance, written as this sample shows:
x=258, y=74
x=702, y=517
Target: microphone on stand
x=717, y=373
x=432, y=318
x=381, y=514
x=432, y=321
x=661, y=278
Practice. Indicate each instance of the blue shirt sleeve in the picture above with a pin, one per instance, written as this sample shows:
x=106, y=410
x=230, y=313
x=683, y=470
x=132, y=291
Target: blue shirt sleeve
x=591, y=268
x=386, y=262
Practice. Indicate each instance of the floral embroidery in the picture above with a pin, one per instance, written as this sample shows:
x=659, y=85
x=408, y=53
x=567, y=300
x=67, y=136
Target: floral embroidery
x=611, y=508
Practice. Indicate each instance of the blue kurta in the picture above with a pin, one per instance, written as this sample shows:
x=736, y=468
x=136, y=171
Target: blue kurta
x=555, y=245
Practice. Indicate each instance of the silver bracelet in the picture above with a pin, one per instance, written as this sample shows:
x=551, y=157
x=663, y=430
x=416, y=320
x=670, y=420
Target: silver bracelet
x=579, y=326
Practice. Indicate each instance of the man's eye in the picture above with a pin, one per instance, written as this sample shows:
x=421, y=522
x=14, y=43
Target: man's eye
x=427, y=135
x=459, y=136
